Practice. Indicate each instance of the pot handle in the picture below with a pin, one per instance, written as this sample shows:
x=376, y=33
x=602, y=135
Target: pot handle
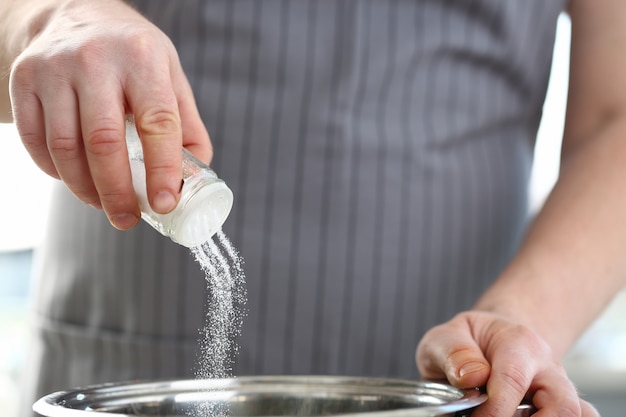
x=524, y=410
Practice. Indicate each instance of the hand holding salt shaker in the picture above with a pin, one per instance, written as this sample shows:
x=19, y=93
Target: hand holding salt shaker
x=204, y=204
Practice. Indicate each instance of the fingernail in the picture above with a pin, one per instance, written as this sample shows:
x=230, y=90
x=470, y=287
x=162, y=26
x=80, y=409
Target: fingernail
x=163, y=202
x=471, y=367
x=124, y=221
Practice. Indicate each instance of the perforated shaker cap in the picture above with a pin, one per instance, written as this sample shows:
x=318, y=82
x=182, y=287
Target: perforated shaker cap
x=203, y=215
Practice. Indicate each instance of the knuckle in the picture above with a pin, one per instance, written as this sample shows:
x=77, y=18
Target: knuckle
x=22, y=84
x=141, y=43
x=158, y=121
x=459, y=355
x=538, y=346
x=117, y=200
x=516, y=378
x=104, y=141
x=145, y=42
x=87, y=195
x=29, y=69
x=163, y=173
x=90, y=53
x=33, y=141
x=460, y=350
x=23, y=69
x=64, y=147
x=161, y=170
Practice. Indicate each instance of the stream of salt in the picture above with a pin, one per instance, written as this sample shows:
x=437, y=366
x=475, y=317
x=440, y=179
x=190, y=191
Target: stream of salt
x=225, y=311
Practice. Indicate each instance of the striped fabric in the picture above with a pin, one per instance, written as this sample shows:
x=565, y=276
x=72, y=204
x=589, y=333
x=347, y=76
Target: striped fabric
x=379, y=154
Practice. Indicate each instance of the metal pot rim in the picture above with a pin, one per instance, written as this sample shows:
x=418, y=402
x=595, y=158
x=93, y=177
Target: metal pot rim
x=77, y=402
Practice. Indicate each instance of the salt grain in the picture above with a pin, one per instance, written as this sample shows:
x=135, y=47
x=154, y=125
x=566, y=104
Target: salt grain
x=223, y=268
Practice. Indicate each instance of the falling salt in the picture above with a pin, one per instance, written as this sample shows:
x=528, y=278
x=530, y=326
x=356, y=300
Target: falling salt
x=223, y=268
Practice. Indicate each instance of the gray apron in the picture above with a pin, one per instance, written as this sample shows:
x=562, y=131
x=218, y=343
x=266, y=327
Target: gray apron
x=379, y=154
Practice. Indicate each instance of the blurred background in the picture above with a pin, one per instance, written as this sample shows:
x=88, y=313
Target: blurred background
x=597, y=363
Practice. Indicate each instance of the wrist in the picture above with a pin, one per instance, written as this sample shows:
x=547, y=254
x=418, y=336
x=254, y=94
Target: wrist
x=523, y=295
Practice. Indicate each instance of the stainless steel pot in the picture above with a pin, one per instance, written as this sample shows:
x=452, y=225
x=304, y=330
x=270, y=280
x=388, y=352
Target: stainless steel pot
x=265, y=396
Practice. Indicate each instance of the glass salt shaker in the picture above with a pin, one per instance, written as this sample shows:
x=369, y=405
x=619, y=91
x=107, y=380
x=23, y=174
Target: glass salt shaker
x=204, y=204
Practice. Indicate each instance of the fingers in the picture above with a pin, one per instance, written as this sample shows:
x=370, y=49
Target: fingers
x=555, y=395
x=195, y=136
x=522, y=367
x=512, y=361
x=155, y=108
x=588, y=410
x=451, y=352
x=103, y=132
x=71, y=90
x=73, y=128
x=513, y=370
x=65, y=142
x=29, y=119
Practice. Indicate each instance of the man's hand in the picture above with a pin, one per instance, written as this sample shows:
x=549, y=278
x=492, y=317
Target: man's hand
x=480, y=349
x=71, y=87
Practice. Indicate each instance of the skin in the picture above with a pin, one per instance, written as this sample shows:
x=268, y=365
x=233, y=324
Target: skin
x=512, y=342
x=572, y=261
x=72, y=80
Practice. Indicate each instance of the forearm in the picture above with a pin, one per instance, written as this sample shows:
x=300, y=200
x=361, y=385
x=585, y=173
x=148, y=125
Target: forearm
x=573, y=260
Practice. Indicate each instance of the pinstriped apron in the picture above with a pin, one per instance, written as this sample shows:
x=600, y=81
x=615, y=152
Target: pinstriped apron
x=379, y=154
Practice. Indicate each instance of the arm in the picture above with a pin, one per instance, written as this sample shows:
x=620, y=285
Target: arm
x=72, y=81
x=573, y=259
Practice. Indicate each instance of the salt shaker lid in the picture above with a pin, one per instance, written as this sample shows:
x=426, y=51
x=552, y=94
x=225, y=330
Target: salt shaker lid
x=203, y=215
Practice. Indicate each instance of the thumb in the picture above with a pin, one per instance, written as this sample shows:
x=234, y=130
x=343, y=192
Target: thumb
x=449, y=351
